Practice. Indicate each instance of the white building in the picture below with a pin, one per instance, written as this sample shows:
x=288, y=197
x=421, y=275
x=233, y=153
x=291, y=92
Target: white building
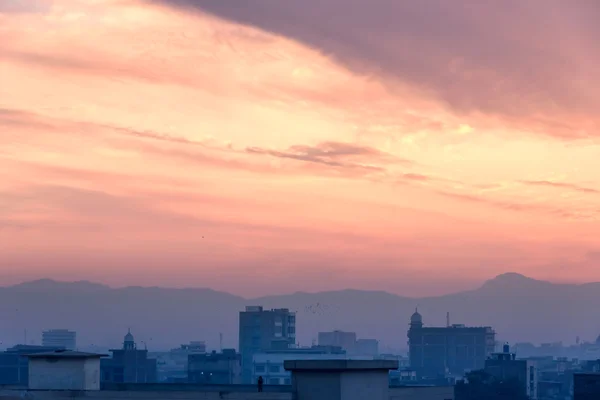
x=64, y=370
x=60, y=338
x=269, y=364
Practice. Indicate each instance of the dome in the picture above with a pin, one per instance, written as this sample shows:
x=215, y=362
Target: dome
x=129, y=337
x=416, y=318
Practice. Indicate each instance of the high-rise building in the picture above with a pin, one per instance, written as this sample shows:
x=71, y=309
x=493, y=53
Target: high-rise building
x=128, y=365
x=262, y=330
x=452, y=350
x=345, y=340
x=59, y=338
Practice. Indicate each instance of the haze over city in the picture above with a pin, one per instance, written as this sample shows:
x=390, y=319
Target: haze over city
x=419, y=148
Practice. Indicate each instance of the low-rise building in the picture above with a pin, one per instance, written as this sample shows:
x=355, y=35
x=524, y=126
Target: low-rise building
x=129, y=364
x=367, y=347
x=270, y=364
x=14, y=364
x=223, y=368
x=64, y=370
x=311, y=380
x=586, y=386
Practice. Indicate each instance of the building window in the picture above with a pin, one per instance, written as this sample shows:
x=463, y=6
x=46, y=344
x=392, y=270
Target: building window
x=287, y=381
x=274, y=368
x=259, y=368
x=273, y=381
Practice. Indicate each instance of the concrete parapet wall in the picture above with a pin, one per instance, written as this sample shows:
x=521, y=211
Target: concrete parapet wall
x=139, y=395
x=422, y=393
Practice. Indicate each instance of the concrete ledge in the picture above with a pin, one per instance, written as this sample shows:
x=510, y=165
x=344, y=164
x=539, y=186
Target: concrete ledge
x=340, y=365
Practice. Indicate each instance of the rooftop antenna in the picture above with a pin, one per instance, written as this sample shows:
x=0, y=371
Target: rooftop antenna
x=448, y=319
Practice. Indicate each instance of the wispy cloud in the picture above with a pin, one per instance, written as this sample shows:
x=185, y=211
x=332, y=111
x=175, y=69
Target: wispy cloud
x=562, y=185
x=572, y=214
x=337, y=155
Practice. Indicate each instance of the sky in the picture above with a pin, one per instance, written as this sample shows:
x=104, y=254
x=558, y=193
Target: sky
x=414, y=147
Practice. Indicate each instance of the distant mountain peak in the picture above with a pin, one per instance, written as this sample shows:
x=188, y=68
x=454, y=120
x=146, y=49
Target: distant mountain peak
x=48, y=284
x=512, y=280
x=513, y=277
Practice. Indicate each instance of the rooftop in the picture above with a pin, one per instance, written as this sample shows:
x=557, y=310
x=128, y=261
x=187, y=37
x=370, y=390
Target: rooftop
x=65, y=354
x=339, y=365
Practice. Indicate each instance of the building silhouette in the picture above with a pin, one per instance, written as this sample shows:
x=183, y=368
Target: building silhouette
x=262, y=330
x=504, y=366
x=129, y=364
x=452, y=350
x=586, y=386
x=367, y=347
x=270, y=364
x=223, y=368
x=345, y=340
x=60, y=338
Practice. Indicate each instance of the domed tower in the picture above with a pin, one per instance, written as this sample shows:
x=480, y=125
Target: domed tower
x=129, y=342
x=416, y=320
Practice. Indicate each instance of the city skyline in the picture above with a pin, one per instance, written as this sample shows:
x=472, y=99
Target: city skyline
x=191, y=143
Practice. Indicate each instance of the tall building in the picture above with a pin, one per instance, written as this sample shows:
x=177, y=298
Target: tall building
x=262, y=330
x=223, y=368
x=435, y=352
x=128, y=365
x=345, y=340
x=505, y=366
x=60, y=338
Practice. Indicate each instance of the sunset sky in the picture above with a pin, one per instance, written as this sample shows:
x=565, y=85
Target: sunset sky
x=417, y=147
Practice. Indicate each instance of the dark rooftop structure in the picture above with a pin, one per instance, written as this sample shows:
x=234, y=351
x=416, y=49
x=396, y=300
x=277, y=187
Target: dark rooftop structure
x=65, y=354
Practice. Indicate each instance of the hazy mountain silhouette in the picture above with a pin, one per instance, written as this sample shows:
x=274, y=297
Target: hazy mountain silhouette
x=519, y=308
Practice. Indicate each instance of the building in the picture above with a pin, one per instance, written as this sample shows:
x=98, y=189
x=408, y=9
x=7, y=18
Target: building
x=14, y=364
x=341, y=379
x=451, y=350
x=505, y=366
x=60, y=338
x=129, y=364
x=345, y=340
x=64, y=370
x=586, y=386
x=312, y=380
x=172, y=366
x=223, y=368
x=367, y=347
x=270, y=364
x=262, y=330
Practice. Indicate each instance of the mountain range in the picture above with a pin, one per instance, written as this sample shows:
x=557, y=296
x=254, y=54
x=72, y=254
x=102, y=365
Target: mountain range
x=519, y=308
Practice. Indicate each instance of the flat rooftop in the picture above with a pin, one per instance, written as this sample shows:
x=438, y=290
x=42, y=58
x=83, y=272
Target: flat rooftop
x=339, y=365
x=65, y=354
